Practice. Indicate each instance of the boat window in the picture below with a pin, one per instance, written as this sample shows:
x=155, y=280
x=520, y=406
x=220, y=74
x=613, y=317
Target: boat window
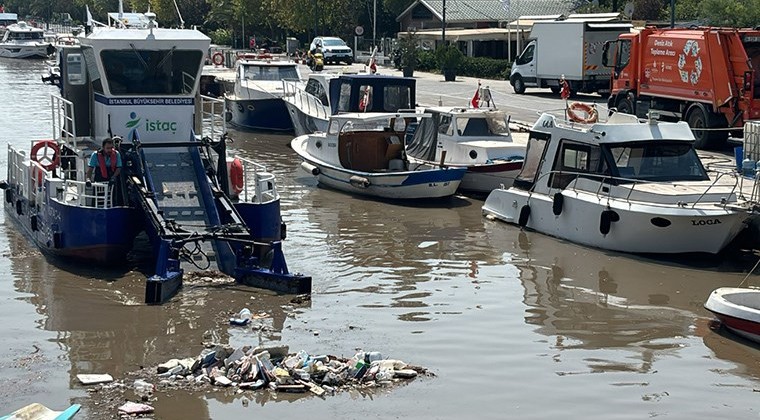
x=315, y=88
x=657, y=161
x=92, y=69
x=572, y=159
x=344, y=102
x=25, y=36
x=396, y=97
x=533, y=157
x=334, y=127
x=365, y=98
x=269, y=72
x=151, y=72
x=445, y=127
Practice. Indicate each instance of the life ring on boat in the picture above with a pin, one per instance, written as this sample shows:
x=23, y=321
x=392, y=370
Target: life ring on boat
x=591, y=114
x=236, y=176
x=217, y=59
x=46, y=161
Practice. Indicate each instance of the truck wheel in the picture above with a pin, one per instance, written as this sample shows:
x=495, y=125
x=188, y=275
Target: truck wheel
x=626, y=106
x=518, y=84
x=699, y=117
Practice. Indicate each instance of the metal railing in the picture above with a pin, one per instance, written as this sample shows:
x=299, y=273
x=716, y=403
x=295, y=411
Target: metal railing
x=259, y=186
x=97, y=196
x=213, y=123
x=306, y=102
x=64, y=125
x=609, y=181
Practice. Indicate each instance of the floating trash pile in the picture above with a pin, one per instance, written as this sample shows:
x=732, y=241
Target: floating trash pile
x=269, y=369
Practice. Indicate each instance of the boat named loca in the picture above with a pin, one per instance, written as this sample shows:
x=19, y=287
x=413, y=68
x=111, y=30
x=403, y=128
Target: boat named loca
x=197, y=206
x=624, y=185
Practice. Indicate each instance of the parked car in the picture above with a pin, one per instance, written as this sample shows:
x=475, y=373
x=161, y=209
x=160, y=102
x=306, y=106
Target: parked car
x=334, y=49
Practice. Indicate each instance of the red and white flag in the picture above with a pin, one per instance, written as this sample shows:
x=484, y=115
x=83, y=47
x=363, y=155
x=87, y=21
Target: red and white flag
x=475, y=102
x=372, y=62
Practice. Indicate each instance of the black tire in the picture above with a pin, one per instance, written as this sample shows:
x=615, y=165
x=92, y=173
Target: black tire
x=626, y=106
x=349, y=61
x=555, y=89
x=699, y=117
x=518, y=84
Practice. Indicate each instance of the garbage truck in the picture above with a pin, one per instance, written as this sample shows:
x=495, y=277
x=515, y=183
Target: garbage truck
x=705, y=76
x=571, y=48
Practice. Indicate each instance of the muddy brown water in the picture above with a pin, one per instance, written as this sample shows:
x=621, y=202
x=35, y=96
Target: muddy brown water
x=514, y=324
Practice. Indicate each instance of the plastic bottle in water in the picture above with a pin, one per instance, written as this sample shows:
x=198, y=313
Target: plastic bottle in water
x=143, y=387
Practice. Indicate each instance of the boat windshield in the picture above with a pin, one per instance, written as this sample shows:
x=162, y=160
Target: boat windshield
x=277, y=73
x=24, y=36
x=660, y=160
x=493, y=124
x=151, y=72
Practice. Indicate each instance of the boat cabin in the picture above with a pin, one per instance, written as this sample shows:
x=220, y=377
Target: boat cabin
x=620, y=151
x=371, y=93
x=23, y=32
x=369, y=143
x=260, y=70
x=142, y=80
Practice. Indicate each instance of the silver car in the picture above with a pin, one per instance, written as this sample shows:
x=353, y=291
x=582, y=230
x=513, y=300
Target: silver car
x=334, y=49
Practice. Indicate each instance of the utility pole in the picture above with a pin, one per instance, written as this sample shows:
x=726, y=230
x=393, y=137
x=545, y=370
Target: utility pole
x=374, y=24
x=316, y=19
x=443, y=24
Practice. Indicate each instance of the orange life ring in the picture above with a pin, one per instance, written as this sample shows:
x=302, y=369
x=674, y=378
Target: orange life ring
x=591, y=114
x=45, y=146
x=217, y=59
x=236, y=176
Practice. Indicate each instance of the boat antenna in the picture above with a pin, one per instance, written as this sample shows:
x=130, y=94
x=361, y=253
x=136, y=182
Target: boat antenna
x=181, y=22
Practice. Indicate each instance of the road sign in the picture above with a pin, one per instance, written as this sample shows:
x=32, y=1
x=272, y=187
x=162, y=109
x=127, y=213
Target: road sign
x=359, y=31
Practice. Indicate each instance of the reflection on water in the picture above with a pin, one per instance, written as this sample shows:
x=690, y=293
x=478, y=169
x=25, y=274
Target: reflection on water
x=481, y=303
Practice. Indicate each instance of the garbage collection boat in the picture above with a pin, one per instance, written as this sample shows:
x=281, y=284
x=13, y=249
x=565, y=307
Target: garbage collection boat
x=624, y=185
x=324, y=94
x=363, y=154
x=477, y=139
x=255, y=101
x=198, y=207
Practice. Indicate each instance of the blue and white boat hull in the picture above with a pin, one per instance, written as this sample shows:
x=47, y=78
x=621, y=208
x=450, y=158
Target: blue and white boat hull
x=259, y=114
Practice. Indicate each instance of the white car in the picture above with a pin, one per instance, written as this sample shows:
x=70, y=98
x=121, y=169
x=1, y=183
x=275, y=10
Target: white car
x=334, y=49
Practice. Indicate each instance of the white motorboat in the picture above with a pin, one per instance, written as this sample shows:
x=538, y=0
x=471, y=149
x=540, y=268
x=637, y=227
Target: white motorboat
x=362, y=153
x=623, y=185
x=738, y=309
x=24, y=41
x=477, y=139
x=255, y=101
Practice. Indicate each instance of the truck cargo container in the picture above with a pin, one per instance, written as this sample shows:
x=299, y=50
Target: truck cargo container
x=705, y=76
x=572, y=48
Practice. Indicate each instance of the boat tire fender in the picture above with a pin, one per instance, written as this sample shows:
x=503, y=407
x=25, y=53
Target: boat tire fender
x=606, y=220
x=19, y=207
x=217, y=59
x=524, y=215
x=236, y=176
x=33, y=223
x=8, y=196
x=47, y=162
x=557, y=202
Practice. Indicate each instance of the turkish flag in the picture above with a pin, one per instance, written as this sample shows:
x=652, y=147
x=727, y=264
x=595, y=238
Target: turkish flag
x=475, y=102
